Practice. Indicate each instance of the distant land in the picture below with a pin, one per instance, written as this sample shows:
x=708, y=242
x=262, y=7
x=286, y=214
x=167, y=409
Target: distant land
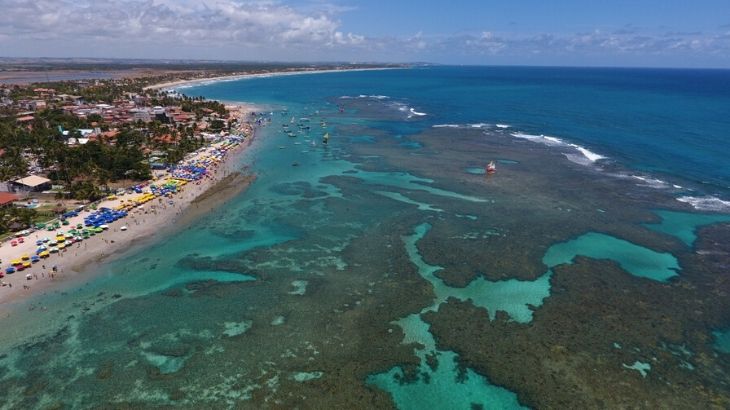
x=35, y=70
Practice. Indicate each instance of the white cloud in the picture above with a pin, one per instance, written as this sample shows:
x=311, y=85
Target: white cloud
x=249, y=29
x=261, y=23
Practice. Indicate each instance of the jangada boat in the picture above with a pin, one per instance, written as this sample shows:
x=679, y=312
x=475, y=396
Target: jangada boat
x=491, y=167
x=326, y=138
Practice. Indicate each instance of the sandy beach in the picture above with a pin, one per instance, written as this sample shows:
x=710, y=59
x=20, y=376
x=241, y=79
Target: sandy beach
x=222, y=181
x=235, y=77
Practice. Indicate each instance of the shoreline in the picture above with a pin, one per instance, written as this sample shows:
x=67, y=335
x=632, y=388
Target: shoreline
x=235, y=77
x=143, y=223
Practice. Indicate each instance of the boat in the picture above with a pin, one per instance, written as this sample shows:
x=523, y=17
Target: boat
x=491, y=167
x=326, y=138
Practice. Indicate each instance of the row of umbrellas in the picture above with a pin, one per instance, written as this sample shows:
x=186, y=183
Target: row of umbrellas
x=98, y=221
x=103, y=216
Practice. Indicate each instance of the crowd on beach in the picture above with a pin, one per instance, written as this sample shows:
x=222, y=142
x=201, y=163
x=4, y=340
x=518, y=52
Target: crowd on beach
x=34, y=255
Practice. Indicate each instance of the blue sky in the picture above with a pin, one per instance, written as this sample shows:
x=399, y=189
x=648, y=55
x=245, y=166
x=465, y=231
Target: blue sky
x=667, y=33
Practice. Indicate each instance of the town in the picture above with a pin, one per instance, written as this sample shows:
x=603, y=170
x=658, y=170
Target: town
x=67, y=144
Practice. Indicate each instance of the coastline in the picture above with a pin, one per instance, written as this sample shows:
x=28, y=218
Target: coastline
x=235, y=77
x=143, y=223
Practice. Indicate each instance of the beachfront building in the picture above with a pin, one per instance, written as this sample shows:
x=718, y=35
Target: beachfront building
x=31, y=183
x=7, y=199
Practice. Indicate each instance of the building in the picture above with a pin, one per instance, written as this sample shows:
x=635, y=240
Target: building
x=7, y=199
x=31, y=183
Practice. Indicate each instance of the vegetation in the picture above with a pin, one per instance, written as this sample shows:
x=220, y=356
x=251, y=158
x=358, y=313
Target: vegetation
x=12, y=218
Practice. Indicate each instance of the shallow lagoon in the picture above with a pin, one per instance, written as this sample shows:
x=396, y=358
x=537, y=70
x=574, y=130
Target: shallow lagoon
x=320, y=277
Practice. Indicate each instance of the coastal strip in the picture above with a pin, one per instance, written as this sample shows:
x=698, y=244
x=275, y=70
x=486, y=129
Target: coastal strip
x=235, y=77
x=143, y=222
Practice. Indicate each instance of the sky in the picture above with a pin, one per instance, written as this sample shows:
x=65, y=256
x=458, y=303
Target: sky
x=648, y=33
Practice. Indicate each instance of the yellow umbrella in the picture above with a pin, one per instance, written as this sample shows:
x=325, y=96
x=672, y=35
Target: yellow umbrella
x=61, y=246
x=26, y=264
x=16, y=262
x=25, y=257
x=44, y=254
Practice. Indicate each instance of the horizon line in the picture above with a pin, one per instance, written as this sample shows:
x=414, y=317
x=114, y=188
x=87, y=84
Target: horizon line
x=326, y=62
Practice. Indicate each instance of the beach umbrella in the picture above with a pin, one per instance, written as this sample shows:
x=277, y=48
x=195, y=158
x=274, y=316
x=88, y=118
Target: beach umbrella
x=26, y=264
x=39, y=242
x=35, y=258
x=10, y=270
x=61, y=246
x=16, y=262
x=44, y=254
x=53, y=250
x=25, y=257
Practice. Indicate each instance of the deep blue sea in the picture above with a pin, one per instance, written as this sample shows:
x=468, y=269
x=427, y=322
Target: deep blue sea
x=385, y=268
x=671, y=121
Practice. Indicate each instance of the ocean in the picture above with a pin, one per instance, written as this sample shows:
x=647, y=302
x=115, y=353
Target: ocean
x=386, y=268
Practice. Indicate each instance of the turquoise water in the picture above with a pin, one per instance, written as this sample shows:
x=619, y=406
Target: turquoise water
x=320, y=277
x=683, y=225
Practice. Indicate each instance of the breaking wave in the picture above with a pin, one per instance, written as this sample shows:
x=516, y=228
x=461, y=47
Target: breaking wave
x=585, y=153
x=706, y=203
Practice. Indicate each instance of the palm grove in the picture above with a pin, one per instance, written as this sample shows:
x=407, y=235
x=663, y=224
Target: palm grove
x=86, y=170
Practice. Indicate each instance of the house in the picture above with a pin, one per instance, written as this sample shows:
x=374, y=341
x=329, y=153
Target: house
x=31, y=183
x=7, y=199
x=37, y=105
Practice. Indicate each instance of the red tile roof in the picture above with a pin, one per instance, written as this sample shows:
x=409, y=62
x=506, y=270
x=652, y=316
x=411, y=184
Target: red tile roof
x=7, y=197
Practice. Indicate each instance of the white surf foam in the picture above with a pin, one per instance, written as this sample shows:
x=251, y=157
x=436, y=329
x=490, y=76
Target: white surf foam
x=414, y=112
x=706, y=203
x=586, y=154
x=478, y=125
x=363, y=96
x=652, y=182
x=503, y=126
